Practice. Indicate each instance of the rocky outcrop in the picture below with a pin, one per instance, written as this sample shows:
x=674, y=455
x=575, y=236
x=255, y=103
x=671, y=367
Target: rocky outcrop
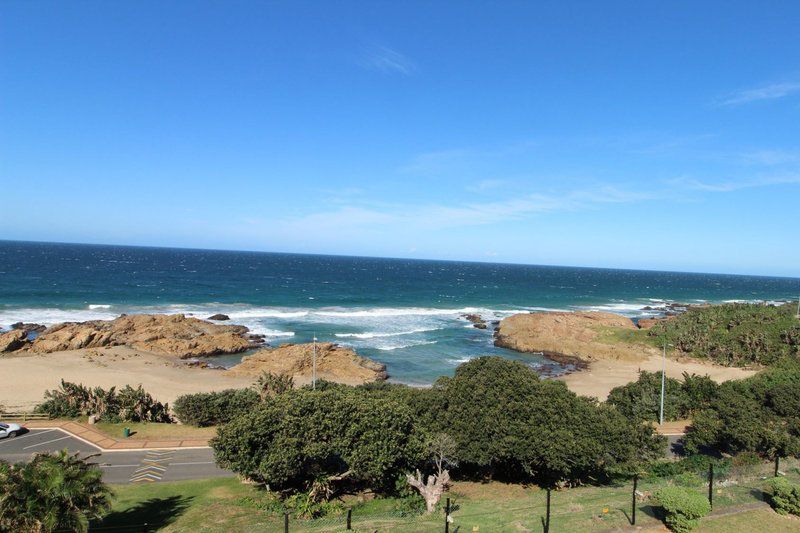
x=334, y=363
x=12, y=340
x=28, y=328
x=583, y=336
x=647, y=323
x=174, y=335
x=219, y=317
x=476, y=320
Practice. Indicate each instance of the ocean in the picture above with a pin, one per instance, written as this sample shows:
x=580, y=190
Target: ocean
x=405, y=313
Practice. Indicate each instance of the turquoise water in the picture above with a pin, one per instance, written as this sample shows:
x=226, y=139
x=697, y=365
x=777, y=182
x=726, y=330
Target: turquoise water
x=404, y=313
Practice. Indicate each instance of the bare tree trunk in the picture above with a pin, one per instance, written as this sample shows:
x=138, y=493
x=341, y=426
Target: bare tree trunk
x=431, y=490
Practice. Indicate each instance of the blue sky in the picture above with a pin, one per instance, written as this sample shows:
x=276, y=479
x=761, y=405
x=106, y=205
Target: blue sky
x=658, y=135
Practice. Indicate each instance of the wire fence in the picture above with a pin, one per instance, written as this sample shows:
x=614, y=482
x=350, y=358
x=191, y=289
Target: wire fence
x=736, y=484
x=599, y=508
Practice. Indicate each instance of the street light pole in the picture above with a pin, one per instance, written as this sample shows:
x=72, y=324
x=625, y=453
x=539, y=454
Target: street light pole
x=314, y=368
x=663, y=382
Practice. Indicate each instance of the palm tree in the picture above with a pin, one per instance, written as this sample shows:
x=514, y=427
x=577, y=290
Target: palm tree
x=52, y=492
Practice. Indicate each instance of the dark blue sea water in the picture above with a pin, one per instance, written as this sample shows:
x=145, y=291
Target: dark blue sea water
x=405, y=313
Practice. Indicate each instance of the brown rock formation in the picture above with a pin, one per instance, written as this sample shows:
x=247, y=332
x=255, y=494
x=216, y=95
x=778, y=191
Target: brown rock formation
x=12, y=340
x=584, y=336
x=647, y=323
x=161, y=334
x=334, y=363
x=476, y=320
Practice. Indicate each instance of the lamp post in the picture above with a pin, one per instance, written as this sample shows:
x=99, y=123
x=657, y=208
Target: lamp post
x=314, y=367
x=663, y=383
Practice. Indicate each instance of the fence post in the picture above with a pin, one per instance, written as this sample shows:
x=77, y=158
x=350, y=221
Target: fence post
x=711, y=485
x=286, y=522
x=633, y=499
x=777, y=464
x=447, y=516
x=547, y=519
x=349, y=519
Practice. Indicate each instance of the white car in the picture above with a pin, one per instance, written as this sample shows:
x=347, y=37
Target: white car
x=9, y=430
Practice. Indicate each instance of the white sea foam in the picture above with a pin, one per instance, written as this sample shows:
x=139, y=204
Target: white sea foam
x=390, y=347
x=270, y=332
x=99, y=306
x=380, y=334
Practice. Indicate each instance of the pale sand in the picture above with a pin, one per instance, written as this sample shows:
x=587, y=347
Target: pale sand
x=25, y=377
x=602, y=376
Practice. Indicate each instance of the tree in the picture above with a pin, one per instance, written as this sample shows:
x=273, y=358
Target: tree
x=441, y=450
x=52, y=492
x=508, y=422
x=318, y=440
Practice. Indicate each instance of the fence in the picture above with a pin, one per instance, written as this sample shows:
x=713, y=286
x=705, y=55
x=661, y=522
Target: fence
x=576, y=509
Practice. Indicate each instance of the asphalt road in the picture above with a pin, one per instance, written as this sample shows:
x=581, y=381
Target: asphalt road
x=134, y=466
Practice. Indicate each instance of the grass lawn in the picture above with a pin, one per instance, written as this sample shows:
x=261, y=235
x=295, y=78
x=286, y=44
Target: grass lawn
x=759, y=520
x=153, y=430
x=228, y=505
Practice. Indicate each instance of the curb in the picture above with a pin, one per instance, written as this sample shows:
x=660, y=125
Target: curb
x=108, y=444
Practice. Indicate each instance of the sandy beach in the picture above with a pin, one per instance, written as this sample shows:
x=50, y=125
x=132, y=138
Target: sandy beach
x=601, y=376
x=27, y=376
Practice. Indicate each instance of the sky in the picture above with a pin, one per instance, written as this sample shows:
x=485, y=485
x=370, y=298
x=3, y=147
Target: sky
x=641, y=134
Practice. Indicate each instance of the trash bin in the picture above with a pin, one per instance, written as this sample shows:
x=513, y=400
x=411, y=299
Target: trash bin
x=126, y=432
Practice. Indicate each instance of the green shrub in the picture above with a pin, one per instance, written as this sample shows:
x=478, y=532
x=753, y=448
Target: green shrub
x=72, y=400
x=214, y=408
x=734, y=334
x=784, y=496
x=315, y=441
x=683, y=508
x=507, y=422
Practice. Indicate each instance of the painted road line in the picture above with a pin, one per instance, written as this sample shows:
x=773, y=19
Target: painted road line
x=152, y=467
x=192, y=463
x=119, y=466
x=47, y=442
x=30, y=434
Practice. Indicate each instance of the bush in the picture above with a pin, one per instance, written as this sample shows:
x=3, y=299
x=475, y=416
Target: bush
x=214, y=408
x=784, y=496
x=734, y=334
x=507, y=421
x=72, y=400
x=316, y=441
x=641, y=399
x=683, y=508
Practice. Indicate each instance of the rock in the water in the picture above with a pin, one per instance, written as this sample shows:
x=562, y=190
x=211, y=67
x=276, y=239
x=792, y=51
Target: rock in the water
x=12, y=340
x=334, y=363
x=586, y=336
x=219, y=317
x=161, y=334
x=477, y=320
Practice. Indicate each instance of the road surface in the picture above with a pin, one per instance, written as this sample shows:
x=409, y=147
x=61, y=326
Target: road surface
x=129, y=466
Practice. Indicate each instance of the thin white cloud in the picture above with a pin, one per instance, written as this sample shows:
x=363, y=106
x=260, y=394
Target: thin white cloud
x=732, y=185
x=772, y=157
x=765, y=92
x=389, y=61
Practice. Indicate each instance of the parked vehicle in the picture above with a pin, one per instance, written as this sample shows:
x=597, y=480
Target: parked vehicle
x=9, y=430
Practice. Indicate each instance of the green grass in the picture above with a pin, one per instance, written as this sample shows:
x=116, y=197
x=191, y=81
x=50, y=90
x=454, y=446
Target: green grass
x=154, y=430
x=227, y=505
x=758, y=520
